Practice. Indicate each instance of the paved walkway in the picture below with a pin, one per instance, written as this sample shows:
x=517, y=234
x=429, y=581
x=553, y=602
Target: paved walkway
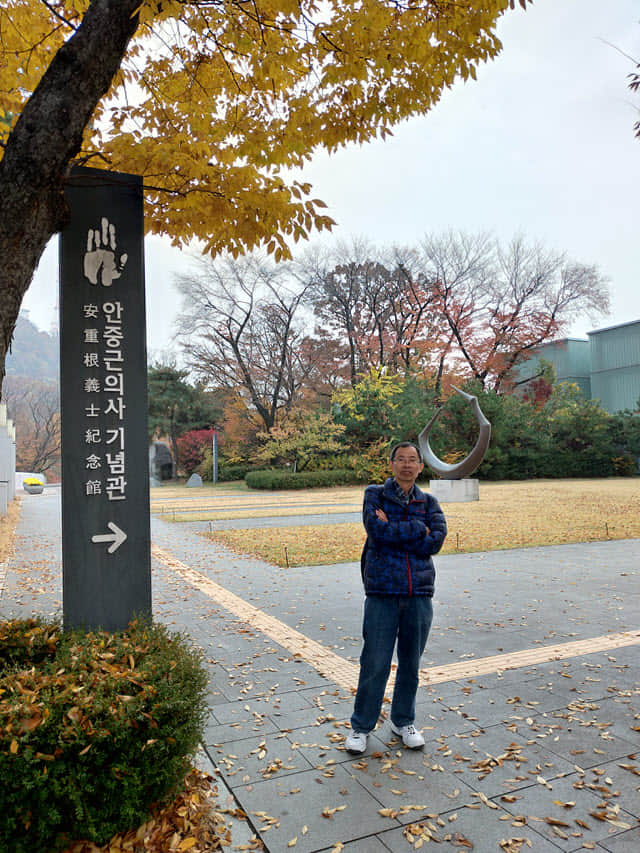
x=530, y=702
x=271, y=521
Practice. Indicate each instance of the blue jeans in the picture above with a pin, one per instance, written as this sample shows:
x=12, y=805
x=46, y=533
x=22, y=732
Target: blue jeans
x=388, y=618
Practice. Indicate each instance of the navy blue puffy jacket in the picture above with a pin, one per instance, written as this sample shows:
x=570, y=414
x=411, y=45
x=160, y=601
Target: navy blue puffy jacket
x=397, y=558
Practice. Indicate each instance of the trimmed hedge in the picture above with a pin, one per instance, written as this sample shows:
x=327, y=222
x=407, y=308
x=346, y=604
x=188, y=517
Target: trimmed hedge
x=26, y=643
x=227, y=473
x=230, y=473
x=94, y=729
x=303, y=480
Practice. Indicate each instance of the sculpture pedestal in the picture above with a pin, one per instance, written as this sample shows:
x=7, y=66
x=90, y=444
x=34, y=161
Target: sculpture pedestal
x=454, y=491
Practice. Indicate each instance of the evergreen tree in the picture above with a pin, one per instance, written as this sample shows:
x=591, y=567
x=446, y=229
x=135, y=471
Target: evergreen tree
x=175, y=406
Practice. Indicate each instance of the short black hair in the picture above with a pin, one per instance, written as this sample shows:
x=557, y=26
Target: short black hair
x=400, y=444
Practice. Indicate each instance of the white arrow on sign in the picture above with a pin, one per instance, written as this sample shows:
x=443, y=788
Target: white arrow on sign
x=116, y=538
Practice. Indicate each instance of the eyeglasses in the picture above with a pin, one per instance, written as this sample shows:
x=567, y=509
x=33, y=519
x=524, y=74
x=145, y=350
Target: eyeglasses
x=405, y=460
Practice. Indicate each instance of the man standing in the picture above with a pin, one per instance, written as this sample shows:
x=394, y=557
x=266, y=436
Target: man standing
x=405, y=526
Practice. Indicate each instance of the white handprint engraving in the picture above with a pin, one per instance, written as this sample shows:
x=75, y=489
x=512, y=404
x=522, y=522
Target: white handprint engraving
x=100, y=263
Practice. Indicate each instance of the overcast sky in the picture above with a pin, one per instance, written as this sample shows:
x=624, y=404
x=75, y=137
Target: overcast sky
x=541, y=145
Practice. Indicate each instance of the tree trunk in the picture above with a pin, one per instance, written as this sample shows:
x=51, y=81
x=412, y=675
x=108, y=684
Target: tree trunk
x=45, y=139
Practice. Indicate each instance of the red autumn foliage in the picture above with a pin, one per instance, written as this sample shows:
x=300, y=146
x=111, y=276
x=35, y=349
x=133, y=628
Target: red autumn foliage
x=192, y=446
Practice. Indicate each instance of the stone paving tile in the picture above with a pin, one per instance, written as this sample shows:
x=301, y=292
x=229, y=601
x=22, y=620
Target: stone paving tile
x=323, y=746
x=485, y=643
x=622, y=719
x=625, y=842
x=626, y=656
x=481, y=707
x=441, y=691
x=542, y=694
x=435, y=719
x=299, y=801
x=324, y=701
x=215, y=695
x=611, y=668
x=583, y=745
x=616, y=783
x=330, y=704
x=369, y=844
x=254, y=707
x=538, y=804
x=437, y=699
x=614, y=707
x=400, y=777
x=256, y=758
x=496, y=761
x=450, y=724
x=292, y=720
x=483, y=827
x=241, y=830
x=266, y=662
x=627, y=682
x=327, y=700
x=218, y=685
x=216, y=733
x=504, y=679
x=242, y=687
x=586, y=745
x=249, y=683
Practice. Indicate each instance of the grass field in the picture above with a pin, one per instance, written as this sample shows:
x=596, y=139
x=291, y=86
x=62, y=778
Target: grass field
x=508, y=515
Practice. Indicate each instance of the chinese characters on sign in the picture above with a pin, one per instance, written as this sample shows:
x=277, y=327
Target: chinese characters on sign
x=102, y=339
x=105, y=474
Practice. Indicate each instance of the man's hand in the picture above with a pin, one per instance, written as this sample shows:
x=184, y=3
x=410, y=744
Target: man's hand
x=382, y=516
x=100, y=263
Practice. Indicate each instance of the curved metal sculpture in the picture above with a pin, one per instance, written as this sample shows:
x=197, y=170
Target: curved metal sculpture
x=459, y=470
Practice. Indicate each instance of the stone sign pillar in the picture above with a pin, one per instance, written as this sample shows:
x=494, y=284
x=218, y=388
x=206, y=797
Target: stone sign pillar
x=105, y=473
x=5, y=461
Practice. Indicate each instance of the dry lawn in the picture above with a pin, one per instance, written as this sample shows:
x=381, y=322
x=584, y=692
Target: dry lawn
x=508, y=515
x=8, y=526
x=230, y=501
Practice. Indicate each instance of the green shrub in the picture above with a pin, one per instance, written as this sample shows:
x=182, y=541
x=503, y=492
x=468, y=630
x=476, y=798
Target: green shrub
x=304, y=480
x=27, y=642
x=226, y=473
x=229, y=473
x=625, y=465
x=372, y=463
x=94, y=731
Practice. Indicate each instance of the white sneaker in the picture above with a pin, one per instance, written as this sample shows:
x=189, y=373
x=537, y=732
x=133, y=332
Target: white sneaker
x=410, y=735
x=356, y=743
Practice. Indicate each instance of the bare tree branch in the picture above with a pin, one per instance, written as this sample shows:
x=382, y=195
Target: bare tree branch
x=238, y=329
